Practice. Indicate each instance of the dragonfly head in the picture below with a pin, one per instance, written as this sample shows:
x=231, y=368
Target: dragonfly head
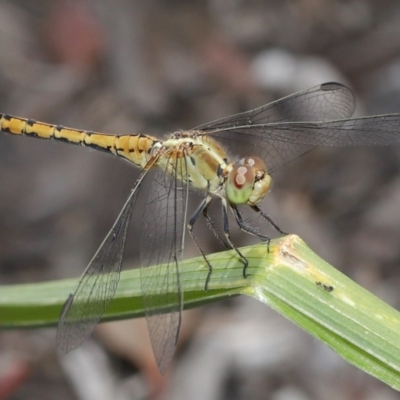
x=248, y=181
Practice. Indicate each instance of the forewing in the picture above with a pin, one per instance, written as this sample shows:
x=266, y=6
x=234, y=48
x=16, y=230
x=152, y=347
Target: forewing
x=279, y=143
x=375, y=130
x=97, y=286
x=256, y=132
x=161, y=248
x=329, y=101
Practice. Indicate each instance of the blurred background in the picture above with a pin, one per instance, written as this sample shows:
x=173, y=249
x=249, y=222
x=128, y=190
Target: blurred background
x=126, y=66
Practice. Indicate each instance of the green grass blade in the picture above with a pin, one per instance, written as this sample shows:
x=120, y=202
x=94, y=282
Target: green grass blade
x=290, y=278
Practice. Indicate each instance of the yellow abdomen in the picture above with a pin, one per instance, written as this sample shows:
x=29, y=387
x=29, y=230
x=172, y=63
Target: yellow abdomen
x=134, y=148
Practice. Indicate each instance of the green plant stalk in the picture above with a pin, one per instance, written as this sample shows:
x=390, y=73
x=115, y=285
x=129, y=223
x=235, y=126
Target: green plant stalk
x=288, y=276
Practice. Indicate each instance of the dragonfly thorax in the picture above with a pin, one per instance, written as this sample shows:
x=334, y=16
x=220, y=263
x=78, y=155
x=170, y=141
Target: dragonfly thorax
x=193, y=158
x=248, y=181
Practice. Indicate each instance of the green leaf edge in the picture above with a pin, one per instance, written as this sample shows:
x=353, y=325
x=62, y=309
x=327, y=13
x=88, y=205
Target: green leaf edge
x=286, y=275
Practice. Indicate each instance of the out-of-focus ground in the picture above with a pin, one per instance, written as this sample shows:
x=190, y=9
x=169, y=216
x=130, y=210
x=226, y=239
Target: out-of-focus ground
x=153, y=67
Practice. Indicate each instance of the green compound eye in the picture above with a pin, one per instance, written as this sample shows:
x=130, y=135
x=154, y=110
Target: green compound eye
x=239, y=186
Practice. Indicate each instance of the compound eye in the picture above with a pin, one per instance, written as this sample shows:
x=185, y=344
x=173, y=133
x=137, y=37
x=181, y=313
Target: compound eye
x=240, y=183
x=256, y=162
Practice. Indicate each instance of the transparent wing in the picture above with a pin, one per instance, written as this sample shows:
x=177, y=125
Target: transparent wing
x=287, y=128
x=326, y=102
x=97, y=286
x=162, y=238
x=329, y=101
x=278, y=143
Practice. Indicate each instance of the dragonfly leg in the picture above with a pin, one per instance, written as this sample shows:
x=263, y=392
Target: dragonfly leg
x=266, y=217
x=214, y=229
x=202, y=209
x=245, y=227
x=228, y=238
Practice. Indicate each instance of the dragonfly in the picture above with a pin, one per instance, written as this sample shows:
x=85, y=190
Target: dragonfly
x=229, y=160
